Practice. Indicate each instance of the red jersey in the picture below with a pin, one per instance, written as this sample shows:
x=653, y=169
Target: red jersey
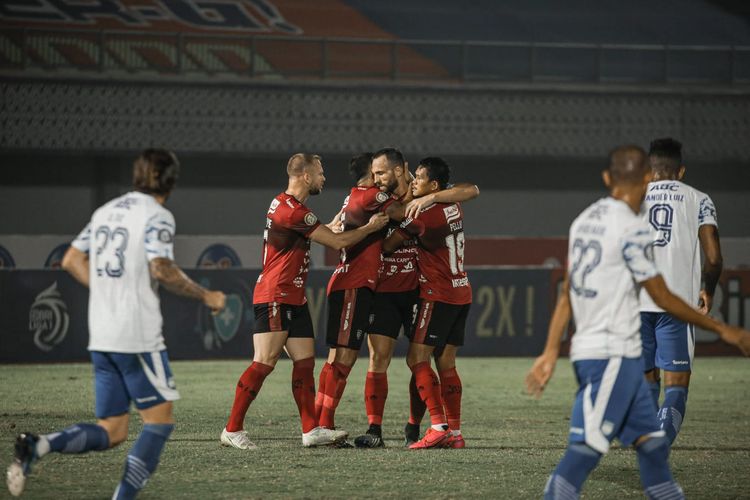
x=441, y=255
x=286, y=252
x=399, y=270
x=359, y=264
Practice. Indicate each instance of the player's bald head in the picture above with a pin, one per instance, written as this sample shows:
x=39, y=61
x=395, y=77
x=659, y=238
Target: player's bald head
x=628, y=164
x=300, y=162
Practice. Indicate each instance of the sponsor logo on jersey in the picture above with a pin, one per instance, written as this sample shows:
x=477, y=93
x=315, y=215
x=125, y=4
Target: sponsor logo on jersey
x=48, y=318
x=458, y=282
x=676, y=362
x=381, y=197
x=451, y=213
x=310, y=218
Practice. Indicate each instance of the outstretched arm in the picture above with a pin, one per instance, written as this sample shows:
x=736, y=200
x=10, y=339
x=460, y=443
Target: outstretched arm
x=544, y=366
x=323, y=235
x=709, y=237
x=76, y=263
x=657, y=289
x=457, y=193
x=171, y=277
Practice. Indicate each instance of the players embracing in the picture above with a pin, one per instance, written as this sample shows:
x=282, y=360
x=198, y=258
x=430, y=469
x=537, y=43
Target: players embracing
x=443, y=307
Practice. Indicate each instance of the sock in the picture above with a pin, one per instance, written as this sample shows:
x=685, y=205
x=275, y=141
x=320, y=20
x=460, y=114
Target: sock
x=428, y=385
x=78, y=438
x=569, y=475
x=320, y=396
x=248, y=387
x=376, y=392
x=303, y=390
x=334, y=386
x=672, y=412
x=656, y=477
x=655, y=390
x=417, y=408
x=142, y=459
x=450, y=383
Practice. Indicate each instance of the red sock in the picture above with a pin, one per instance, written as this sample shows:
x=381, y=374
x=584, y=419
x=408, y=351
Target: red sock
x=321, y=389
x=416, y=405
x=376, y=392
x=248, y=387
x=451, y=385
x=334, y=389
x=428, y=385
x=303, y=389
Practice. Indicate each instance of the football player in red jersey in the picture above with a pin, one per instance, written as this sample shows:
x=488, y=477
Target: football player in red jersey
x=396, y=295
x=282, y=317
x=444, y=301
x=352, y=285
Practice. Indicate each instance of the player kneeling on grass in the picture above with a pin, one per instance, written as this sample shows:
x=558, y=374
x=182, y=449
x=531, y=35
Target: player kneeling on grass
x=130, y=241
x=609, y=259
x=444, y=301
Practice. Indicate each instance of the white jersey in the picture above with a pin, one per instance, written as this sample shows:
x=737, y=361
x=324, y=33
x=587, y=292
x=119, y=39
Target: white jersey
x=675, y=211
x=121, y=239
x=607, y=258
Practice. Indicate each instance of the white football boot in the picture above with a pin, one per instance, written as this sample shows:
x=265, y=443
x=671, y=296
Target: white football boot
x=320, y=436
x=239, y=440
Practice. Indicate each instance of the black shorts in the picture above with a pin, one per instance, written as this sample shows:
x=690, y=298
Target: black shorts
x=438, y=323
x=393, y=310
x=349, y=317
x=277, y=317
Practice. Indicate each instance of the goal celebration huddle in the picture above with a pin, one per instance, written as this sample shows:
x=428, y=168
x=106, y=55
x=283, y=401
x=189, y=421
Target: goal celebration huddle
x=635, y=287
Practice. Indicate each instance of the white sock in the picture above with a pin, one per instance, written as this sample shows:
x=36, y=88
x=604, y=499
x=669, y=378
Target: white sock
x=42, y=446
x=440, y=427
x=456, y=432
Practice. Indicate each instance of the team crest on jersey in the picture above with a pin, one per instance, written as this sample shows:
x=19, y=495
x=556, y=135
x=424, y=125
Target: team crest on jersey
x=48, y=319
x=381, y=197
x=451, y=213
x=310, y=218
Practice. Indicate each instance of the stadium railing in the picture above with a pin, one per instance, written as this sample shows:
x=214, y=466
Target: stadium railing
x=398, y=60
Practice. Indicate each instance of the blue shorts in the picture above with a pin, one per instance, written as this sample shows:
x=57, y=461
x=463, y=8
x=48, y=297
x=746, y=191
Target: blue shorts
x=613, y=401
x=668, y=343
x=119, y=378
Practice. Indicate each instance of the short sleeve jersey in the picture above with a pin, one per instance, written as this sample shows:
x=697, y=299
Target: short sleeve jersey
x=399, y=270
x=609, y=254
x=286, y=252
x=123, y=236
x=675, y=212
x=360, y=263
x=440, y=255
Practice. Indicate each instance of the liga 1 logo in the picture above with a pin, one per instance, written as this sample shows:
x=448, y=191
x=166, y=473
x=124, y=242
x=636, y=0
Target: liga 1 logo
x=48, y=318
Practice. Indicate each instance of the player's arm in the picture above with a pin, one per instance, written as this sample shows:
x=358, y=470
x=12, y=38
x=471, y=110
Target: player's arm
x=456, y=193
x=544, y=366
x=171, y=277
x=708, y=235
x=407, y=230
x=665, y=299
x=76, y=263
x=323, y=235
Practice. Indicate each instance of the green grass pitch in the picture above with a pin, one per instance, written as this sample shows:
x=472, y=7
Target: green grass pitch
x=513, y=441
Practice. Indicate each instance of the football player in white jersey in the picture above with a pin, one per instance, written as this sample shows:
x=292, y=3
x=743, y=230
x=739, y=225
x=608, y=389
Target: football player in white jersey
x=122, y=255
x=682, y=220
x=609, y=256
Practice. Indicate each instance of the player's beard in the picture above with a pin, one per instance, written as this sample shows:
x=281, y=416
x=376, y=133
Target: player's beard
x=389, y=188
x=316, y=190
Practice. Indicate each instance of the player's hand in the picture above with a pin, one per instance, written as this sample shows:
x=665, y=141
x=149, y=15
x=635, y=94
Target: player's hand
x=215, y=300
x=377, y=222
x=736, y=336
x=336, y=225
x=416, y=205
x=705, y=301
x=540, y=373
